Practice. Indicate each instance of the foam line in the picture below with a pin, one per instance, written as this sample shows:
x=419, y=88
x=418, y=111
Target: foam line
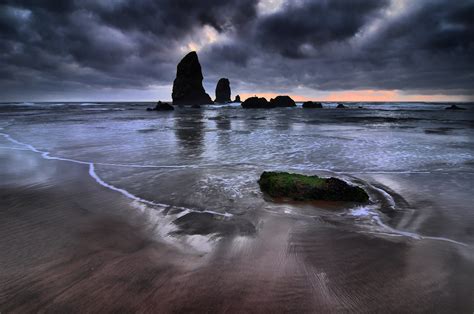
x=95, y=176
x=413, y=235
x=388, y=197
x=371, y=212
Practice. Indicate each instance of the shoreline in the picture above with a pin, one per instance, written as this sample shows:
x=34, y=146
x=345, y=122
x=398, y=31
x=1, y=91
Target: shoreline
x=71, y=243
x=388, y=230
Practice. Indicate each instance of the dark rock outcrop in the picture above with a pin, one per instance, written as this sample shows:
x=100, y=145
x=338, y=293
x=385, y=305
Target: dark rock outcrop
x=223, y=91
x=237, y=98
x=341, y=106
x=187, y=86
x=454, y=107
x=256, y=103
x=312, y=105
x=161, y=106
x=308, y=188
x=196, y=106
x=282, y=101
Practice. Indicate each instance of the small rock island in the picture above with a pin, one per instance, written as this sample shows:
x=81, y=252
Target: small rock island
x=282, y=101
x=300, y=187
x=161, y=106
x=454, y=107
x=312, y=105
x=256, y=103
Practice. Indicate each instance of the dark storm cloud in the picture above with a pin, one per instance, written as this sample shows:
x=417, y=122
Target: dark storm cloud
x=314, y=23
x=103, y=44
x=424, y=46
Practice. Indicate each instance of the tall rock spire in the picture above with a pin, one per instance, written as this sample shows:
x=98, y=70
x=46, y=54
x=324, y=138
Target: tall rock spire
x=223, y=91
x=187, y=86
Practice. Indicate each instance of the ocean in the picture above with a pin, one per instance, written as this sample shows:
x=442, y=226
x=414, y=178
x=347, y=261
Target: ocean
x=193, y=174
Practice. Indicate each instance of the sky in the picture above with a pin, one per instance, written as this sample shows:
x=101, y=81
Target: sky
x=346, y=50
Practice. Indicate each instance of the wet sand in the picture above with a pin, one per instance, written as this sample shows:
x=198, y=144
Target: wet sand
x=69, y=244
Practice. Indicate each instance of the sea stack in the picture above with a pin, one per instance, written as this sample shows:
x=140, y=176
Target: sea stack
x=187, y=87
x=237, y=98
x=223, y=91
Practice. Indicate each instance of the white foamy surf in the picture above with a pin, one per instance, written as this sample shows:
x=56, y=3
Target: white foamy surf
x=93, y=174
x=373, y=214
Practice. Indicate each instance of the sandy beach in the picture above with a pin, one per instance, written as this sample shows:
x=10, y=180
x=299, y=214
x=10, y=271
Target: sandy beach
x=70, y=244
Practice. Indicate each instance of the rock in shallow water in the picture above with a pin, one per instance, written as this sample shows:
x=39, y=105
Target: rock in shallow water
x=454, y=107
x=187, y=87
x=308, y=188
x=256, y=103
x=282, y=101
x=161, y=106
x=312, y=105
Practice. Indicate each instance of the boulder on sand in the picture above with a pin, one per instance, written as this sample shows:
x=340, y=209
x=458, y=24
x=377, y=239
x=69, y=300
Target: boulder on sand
x=312, y=105
x=187, y=86
x=454, y=107
x=256, y=103
x=161, y=106
x=282, y=101
x=223, y=91
x=309, y=188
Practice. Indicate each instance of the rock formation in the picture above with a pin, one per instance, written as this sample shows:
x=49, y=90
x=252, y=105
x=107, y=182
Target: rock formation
x=282, y=101
x=187, y=87
x=161, y=106
x=256, y=103
x=308, y=188
x=312, y=105
x=454, y=107
x=237, y=98
x=341, y=106
x=223, y=91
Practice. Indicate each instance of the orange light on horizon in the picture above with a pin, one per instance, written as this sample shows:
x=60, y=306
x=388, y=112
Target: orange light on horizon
x=363, y=96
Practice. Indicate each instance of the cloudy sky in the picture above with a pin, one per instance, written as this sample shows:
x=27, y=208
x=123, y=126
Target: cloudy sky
x=311, y=49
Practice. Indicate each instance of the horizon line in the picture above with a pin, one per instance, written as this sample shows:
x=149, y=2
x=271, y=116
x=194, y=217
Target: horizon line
x=297, y=101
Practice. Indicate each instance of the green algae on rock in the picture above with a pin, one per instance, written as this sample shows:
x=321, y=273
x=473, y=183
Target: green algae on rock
x=308, y=188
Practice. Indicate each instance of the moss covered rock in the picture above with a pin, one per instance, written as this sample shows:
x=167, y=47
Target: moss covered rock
x=307, y=188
